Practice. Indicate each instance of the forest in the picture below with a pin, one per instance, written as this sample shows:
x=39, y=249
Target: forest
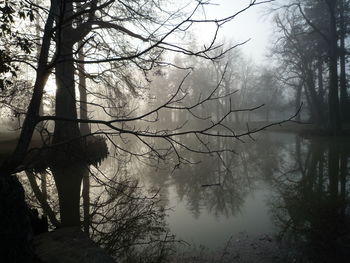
x=140, y=131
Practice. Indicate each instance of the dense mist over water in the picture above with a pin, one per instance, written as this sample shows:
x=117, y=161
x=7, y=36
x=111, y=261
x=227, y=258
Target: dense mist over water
x=174, y=131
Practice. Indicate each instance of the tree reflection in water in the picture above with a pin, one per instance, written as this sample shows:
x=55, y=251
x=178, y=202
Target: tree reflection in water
x=312, y=202
x=308, y=179
x=219, y=185
x=118, y=214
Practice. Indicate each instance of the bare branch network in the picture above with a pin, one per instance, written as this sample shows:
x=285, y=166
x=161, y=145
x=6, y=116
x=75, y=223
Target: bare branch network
x=104, y=34
x=215, y=129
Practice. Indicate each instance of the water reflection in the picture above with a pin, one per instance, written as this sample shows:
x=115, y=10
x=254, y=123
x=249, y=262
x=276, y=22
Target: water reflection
x=312, y=204
x=297, y=188
x=306, y=181
x=219, y=184
x=110, y=206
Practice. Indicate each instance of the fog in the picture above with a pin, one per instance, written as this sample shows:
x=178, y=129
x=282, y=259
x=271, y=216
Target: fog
x=174, y=131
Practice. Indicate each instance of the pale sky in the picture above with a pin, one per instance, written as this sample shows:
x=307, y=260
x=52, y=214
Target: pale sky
x=251, y=24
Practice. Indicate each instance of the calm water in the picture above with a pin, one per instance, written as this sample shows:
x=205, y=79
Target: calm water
x=292, y=190
x=278, y=187
x=210, y=215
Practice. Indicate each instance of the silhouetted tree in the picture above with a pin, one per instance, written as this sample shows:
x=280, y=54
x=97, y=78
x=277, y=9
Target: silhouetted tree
x=308, y=45
x=144, y=29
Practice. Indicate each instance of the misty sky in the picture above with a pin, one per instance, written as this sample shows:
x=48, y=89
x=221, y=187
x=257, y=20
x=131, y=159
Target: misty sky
x=253, y=24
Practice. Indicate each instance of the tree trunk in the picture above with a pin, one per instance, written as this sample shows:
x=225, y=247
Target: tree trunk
x=38, y=49
x=44, y=185
x=42, y=198
x=320, y=181
x=66, y=134
x=333, y=169
x=86, y=200
x=65, y=105
x=31, y=119
x=320, y=79
x=343, y=178
x=317, y=107
x=342, y=53
x=298, y=100
x=333, y=99
x=16, y=231
x=84, y=127
x=65, y=131
x=68, y=182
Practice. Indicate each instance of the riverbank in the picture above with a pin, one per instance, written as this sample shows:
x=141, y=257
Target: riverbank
x=68, y=245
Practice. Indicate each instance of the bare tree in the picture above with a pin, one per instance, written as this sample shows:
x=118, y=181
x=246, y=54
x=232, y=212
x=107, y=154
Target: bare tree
x=313, y=30
x=145, y=30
